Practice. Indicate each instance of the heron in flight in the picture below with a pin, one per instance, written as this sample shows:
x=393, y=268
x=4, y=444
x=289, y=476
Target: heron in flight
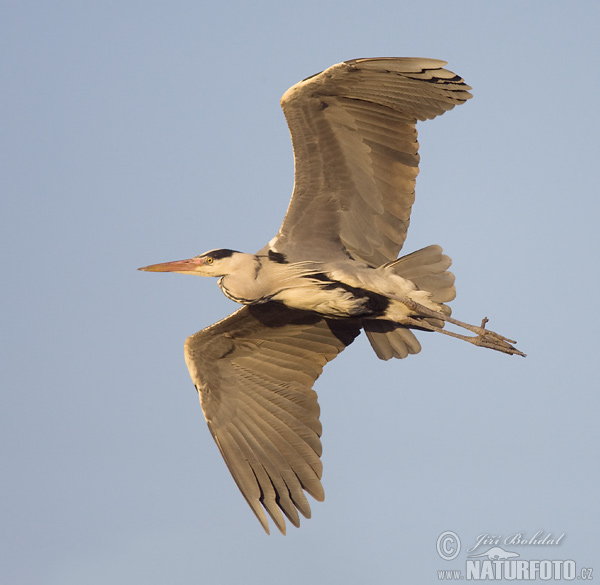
x=331, y=271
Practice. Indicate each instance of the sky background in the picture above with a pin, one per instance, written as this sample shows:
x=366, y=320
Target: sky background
x=142, y=132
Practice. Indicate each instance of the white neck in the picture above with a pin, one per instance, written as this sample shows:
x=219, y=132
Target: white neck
x=241, y=283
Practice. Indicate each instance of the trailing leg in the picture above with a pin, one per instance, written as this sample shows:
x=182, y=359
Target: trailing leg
x=483, y=338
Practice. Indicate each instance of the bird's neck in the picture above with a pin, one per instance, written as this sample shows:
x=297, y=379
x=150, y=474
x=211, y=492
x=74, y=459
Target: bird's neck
x=257, y=279
x=242, y=283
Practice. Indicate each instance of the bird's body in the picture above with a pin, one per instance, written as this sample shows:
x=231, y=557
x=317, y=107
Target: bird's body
x=338, y=290
x=331, y=271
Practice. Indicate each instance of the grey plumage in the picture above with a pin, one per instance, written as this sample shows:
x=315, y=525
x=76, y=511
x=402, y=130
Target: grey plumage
x=356, y=160
x=331, y=270
x=254, y=372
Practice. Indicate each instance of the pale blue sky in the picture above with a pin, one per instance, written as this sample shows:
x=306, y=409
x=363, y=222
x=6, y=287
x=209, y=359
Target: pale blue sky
x=141, y=132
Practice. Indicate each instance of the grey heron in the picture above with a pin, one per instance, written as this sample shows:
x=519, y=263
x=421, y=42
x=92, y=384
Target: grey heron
x=331, y=271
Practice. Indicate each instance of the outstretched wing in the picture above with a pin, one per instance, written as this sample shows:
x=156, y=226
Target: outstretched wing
x=355, y=152
x=254, y=372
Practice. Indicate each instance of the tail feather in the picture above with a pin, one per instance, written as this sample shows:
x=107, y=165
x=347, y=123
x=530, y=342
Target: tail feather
x=441, y=286
x=390, y=340
x=428, y=269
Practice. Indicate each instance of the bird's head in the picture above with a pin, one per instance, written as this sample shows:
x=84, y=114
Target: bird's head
x=213, y=263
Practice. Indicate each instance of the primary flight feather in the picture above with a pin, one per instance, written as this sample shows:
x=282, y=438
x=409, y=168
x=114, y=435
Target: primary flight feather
x=331, y=271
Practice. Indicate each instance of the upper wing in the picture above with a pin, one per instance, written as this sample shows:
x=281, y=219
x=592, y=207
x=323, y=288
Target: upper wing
x=355, y=152
x=254, y=372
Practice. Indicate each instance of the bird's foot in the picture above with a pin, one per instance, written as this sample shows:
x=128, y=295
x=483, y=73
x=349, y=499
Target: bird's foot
x=491, y=339
x=483, y=338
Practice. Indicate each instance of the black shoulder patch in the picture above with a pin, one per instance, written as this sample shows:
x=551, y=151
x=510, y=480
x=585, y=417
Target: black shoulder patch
x=277, y=257
x=375, y=304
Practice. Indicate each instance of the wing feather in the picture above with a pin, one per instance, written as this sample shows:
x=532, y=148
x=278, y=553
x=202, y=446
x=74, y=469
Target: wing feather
x=254, y=373
x=356, y=155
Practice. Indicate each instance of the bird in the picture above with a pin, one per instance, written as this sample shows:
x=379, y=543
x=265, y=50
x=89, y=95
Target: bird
x=332, y=271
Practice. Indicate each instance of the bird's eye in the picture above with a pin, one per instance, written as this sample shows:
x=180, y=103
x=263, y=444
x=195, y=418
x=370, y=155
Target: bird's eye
x=209, y=260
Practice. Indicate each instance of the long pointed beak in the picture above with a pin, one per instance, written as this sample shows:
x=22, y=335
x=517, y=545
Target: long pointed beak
x=190, y=266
